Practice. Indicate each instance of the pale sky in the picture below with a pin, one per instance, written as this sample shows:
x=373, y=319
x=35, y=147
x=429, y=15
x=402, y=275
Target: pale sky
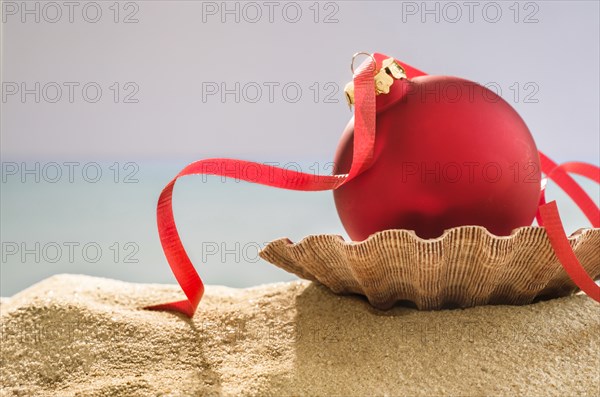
x=543, y=56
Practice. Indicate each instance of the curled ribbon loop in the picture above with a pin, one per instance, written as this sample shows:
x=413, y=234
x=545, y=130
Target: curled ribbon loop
x=364, y=143
x=181, y=265
x=559, y=174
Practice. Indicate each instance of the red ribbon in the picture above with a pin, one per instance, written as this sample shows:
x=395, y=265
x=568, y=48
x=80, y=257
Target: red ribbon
x=549, y=218
x=364, y=142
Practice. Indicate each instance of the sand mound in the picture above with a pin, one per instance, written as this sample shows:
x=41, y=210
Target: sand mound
x=78, y=335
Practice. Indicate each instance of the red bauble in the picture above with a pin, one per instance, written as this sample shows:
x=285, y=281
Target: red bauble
x=449, y=153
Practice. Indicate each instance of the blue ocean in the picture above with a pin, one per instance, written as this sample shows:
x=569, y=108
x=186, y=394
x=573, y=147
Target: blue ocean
x=99, y=218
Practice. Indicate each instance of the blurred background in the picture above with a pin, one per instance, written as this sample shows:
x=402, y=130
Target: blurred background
x=104, y=102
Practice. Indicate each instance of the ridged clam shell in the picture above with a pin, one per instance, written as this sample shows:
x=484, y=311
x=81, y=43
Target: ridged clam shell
x=466, y=266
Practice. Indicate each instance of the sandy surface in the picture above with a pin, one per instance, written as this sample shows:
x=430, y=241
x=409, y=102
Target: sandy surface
x=78, y=335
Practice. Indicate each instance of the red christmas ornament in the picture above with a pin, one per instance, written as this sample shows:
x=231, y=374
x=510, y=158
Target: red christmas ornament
x=432, y=153
x=448, y=152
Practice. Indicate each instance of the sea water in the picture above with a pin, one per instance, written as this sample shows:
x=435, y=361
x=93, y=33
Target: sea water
x=105, y=224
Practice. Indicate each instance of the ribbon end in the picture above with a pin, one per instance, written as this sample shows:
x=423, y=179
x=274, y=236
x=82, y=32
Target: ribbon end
x=184, y=307
x=564, y=252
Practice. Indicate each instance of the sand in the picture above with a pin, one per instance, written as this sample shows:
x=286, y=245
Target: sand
x=75, y=335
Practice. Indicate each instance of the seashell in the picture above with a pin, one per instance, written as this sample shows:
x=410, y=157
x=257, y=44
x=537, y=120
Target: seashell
x=466, y=266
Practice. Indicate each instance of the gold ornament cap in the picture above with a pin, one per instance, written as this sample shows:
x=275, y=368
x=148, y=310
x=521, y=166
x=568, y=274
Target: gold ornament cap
x=389, y=72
